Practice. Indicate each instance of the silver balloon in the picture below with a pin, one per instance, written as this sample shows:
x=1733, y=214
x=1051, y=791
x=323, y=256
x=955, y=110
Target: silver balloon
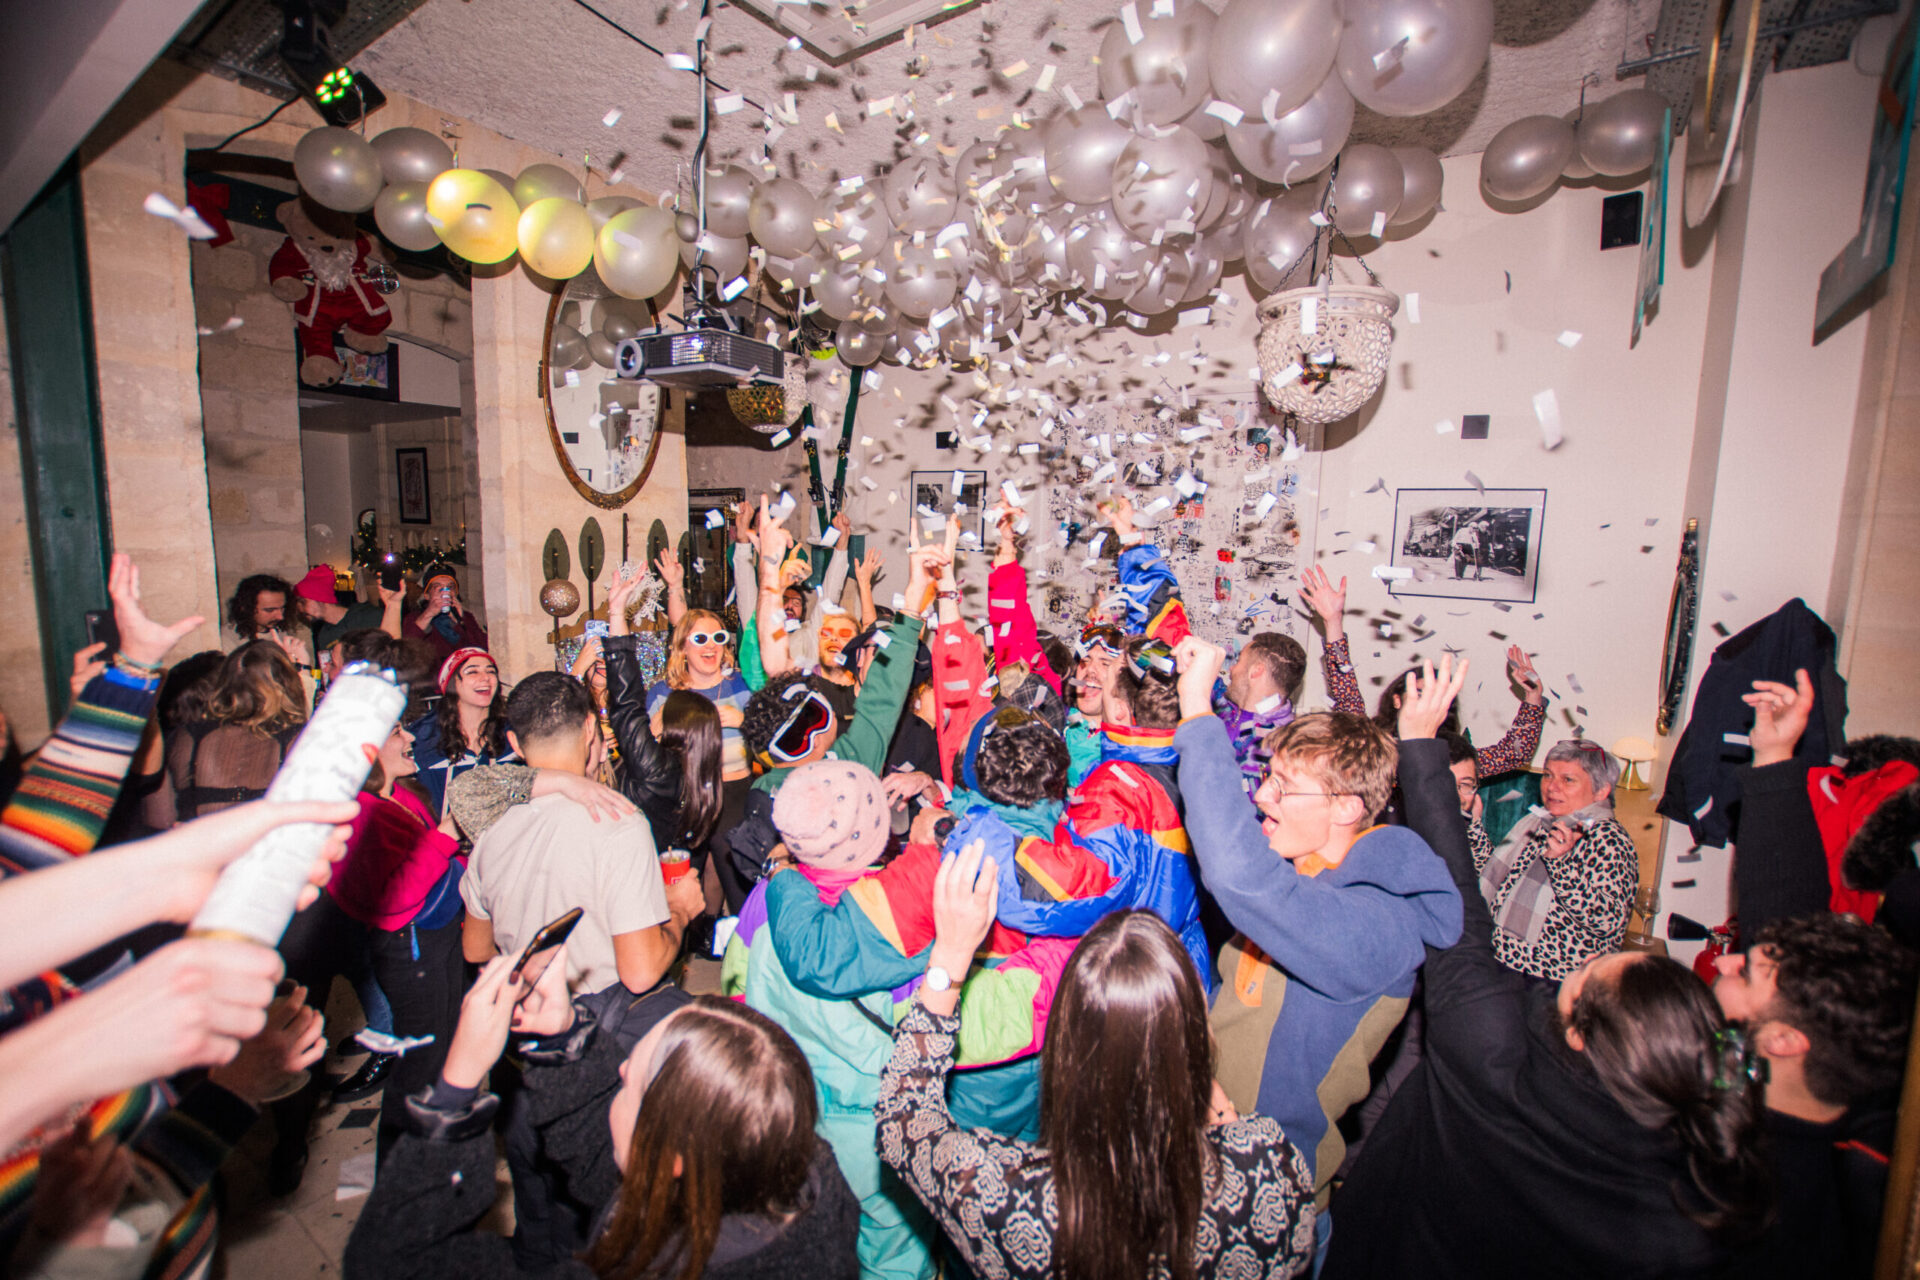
x=910, y=343
x=338, y=168
x=1423, y=179
x=411, y=155
x=1209, y=128
x=1162, y=181
x=1020, y=162
x=1268, y=56
x=920, y=279
x=858, y=347
x=686, y=225
x=1525, y=158
x=1104, y=254
x=636, y=253
x=569, y=347
x=605, y=207
x=504, y=179
x=1049, y=268
x=1207, y=260
x=843, y=290
x=1167, y=68
x=600, y=349
x=797, y=272
x=1162, y=284
x=856, y=219
x=1081, y=146
x=1409, y=57
x=619, y=318
x=920, y=195
x=729, y=194
x=1577, y=169
x=544, y=181
x=1300, y=143
x=973, y=168
x=1622, y=134
x=401, y=214
x=726, y=255
x=1279, y=243
x=1367, y=188
x=1221, y=194
x=781, y=215
x=960, y=345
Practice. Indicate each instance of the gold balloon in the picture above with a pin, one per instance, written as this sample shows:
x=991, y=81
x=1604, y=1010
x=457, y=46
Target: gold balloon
x=473, y=215
x=556, y=237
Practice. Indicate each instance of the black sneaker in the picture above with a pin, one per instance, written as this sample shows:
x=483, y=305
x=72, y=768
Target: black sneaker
x=369, y=1079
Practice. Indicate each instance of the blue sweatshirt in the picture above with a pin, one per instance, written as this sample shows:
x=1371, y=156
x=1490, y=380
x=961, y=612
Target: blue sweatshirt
x=1321, y=968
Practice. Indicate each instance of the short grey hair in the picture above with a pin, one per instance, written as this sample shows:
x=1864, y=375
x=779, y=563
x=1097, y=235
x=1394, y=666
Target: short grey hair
x=1592, y=757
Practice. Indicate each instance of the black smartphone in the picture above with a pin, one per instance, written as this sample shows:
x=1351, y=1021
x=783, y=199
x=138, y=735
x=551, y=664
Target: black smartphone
x=539, y=954
x=390, y=574
x=101, y=628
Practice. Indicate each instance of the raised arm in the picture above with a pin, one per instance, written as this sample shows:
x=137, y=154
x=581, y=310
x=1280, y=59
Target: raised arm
x=1779, y=859
x=674, y=574
x=833, y=583
x=863, y=572
x=1329, y=605
x=770, y=616
x=1515, y=750
x=1015, y=637
x=1152, y=592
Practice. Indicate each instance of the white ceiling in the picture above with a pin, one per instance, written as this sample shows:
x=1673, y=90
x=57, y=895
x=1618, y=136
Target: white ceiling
x=547, y=72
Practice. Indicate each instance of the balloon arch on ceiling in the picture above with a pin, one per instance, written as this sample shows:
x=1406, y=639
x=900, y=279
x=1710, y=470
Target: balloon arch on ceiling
x=1219, y=138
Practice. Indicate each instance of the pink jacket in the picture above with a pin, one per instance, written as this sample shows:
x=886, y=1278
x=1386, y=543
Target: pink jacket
x=395, y=857
x=1015, y=637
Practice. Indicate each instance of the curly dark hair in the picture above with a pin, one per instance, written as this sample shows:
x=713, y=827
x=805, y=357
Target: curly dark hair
x=1022, y=760
x=247, y=594
x=766, y=710
x=1153, y=701
x=1849, y=988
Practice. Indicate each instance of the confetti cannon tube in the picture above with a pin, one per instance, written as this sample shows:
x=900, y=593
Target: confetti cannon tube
x=256, y=895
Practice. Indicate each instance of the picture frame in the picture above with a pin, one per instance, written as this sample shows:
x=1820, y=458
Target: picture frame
x=934, y=499
x=413, y=492
x=1467, y=544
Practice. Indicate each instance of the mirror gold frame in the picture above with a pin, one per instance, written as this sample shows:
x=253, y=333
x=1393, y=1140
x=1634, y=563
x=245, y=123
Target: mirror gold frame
x=609, y=501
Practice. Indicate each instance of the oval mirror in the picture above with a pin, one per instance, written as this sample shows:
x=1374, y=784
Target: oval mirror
x=605, y=430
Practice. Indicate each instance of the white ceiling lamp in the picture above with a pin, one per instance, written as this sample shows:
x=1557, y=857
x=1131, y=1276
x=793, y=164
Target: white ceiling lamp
x=837, y=35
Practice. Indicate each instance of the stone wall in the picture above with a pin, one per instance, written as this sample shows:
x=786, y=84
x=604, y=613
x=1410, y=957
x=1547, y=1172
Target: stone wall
x=23, y=692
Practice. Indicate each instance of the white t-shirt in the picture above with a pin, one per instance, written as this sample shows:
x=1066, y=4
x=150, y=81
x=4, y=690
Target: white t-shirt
x=543, y=859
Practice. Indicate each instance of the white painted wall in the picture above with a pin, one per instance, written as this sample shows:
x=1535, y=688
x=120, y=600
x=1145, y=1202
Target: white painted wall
x=427, y=377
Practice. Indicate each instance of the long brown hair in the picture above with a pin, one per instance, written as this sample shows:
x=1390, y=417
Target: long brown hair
x=257, y=687
x=732, y=1100
x=1662, y=1048
x=1126, y=1078
x=678, y=670
x=690, y=729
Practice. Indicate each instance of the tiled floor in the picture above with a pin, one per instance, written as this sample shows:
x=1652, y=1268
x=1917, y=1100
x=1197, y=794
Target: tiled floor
x=304, y=1236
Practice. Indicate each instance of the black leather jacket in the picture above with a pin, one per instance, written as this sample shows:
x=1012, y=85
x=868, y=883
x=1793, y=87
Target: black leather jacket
x=649, y=774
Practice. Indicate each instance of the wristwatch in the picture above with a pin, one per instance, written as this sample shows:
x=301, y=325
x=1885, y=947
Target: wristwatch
x=938, y=979
x=946, y=595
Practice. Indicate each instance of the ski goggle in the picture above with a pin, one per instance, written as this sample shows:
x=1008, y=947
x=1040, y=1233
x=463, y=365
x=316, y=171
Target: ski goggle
x=709, y=637
x=1102, y=640
x=1153, y=656
x=801, y=731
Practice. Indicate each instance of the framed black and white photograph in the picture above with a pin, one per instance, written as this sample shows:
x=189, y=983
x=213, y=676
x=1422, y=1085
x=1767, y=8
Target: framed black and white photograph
x=410, y=478
x=938, y=494
x=1467, y=544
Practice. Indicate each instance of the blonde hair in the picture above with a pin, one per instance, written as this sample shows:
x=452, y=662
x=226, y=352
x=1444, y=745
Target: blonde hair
x=678, y=673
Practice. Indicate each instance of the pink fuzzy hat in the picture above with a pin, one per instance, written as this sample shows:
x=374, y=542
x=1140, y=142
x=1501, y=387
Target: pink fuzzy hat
x=833, y=815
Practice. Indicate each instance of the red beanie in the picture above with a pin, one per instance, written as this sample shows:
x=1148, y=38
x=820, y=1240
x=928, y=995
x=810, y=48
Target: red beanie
x=457, y=659
x=317, y=585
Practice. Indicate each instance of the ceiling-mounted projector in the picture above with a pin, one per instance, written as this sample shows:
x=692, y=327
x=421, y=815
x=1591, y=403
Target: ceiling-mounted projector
x=699, y=358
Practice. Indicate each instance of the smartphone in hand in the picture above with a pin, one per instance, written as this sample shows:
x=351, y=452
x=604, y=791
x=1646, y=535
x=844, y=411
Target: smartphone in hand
x=541, y=950
x=102, y=629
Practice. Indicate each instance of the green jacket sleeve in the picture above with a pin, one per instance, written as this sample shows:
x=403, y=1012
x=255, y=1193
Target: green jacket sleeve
x=832, y=953
x=750, y=669
x=876, y=712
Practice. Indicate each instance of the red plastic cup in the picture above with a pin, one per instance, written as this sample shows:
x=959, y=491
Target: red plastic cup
x=675, y=864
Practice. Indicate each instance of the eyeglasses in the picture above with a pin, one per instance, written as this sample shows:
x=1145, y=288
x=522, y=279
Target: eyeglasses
x=1282, y=795
x=800, y=732
x=1153, y=656
x=709, y=637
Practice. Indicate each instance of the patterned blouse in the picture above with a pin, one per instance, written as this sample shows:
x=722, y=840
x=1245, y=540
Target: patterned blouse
x=1515, y=751
x=994, y=1196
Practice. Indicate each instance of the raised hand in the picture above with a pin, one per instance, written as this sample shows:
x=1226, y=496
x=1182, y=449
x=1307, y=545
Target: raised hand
x=866, y=566
x=141, y=638
x=1119, y=514
x=1424, y=708
x=1780, y=716
x=672, y=572
x=1199, y=664
x=1520, y=667
x=620, y=598
x=966, y=893
x=1328, y=602
x=486, y=1016
x=743, y=521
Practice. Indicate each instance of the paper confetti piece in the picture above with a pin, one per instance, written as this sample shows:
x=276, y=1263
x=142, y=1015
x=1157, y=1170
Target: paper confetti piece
x=1412, y=304
x=1310, y=315
x=186, y=219
x=1225, y=111
x=1476, y=482
x=226, y=326
x=612, y=118
x=1391, y=54
x=714, y=518
x=1378, y=486
x=1568, y=338
x=1289, y=374
x=1379, y=224
x=1443, y=427
x=380, y=1042
x=780, y=437
x=680, y=62
x=1391, y=573
x=1130, y=19
x=728, y=103
x=1045, y=80
x=1546, y=407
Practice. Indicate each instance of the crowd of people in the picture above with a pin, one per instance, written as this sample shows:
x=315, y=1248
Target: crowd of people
x=1038, y=956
